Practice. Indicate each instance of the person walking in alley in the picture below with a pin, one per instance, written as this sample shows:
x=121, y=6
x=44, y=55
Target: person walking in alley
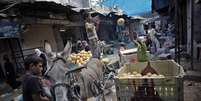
x=152, y=32
x=44, y=57
x=10, y=73
x=32, y=85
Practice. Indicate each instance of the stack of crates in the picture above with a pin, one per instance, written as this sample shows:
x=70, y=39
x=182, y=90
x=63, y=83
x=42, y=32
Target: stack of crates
x=169, y=88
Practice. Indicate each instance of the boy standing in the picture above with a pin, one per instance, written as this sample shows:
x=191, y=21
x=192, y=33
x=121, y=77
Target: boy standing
x=32, y=83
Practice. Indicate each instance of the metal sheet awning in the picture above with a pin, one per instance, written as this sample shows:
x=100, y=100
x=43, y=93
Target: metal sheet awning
x=46, y=5
x=104, y=10
x=78, y=9
x=138, y=17
x=56, y=1
x=63, y=2
x=155, y=18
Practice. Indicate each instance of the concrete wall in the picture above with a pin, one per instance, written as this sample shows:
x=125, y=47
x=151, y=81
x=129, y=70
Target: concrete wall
x=197, y=26
x=36, y=35
x=58, y=39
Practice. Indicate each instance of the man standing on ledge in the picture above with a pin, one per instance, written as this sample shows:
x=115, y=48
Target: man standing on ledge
x=92, y=36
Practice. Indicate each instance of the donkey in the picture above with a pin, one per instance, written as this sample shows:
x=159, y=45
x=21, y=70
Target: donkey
x=59, y=67
x=92, y=77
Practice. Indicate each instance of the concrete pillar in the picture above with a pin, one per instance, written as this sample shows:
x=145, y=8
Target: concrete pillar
x=189, y=19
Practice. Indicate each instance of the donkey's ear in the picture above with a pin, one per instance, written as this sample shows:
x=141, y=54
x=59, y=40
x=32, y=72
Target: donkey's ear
x=67, y=50
x=48, y=48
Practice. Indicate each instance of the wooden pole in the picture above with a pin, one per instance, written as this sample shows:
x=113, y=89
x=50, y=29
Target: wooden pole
x=192, y=33
x=176, y=29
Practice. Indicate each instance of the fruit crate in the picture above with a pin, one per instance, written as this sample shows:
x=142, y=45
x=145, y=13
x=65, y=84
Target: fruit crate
x=169, y=88
x=128, y=56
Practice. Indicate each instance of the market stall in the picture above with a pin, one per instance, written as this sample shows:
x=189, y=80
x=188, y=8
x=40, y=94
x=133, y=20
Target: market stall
x=155, y=81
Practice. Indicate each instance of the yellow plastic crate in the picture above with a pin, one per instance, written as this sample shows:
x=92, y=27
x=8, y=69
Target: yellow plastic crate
x=169, y=88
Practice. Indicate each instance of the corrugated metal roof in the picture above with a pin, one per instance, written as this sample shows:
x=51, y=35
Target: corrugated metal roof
x=138, y=17
x=45, y=5
x=63, y=2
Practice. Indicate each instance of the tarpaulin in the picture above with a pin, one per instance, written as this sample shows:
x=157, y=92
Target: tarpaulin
x=8, y=28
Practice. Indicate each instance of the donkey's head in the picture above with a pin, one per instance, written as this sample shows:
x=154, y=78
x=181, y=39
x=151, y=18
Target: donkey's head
x=57, y=62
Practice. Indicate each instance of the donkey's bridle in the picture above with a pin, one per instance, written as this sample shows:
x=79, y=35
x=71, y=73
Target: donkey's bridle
x=63, y=84
x=54, y=61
